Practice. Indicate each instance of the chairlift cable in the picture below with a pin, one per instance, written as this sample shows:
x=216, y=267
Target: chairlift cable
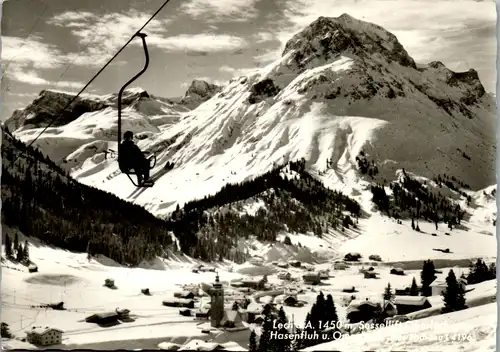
x=94, y=77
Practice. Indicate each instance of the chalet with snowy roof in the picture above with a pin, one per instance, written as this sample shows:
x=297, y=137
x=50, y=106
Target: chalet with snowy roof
x=179, y=302
x=410, y=304
x=438, y=286
x=184, y=294
x=340, y=266
x=254, y=283
x=403, y=291
x=105, y=318
x=44, y=336
x=284, y=275
x=324, y=274
x=361, y=311
x=397, y=271
x=232, y=319
x=312, y=279
x=370, y=274
x=390, y=309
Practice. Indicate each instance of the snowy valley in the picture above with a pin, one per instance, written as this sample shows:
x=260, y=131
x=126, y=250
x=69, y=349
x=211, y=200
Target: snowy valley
x=340, y=168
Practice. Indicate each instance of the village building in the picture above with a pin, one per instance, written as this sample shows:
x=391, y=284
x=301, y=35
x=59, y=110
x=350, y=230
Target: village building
x=324, y=274
x=186, y=312
x=232, y=319
x=361, y=311
x=340, y=266
x=402, y=291
x=253, y=283
x=179, y=302
x=184, y=294
x=312, y=279
x=397, y=271
x=438, y=286
x=370, y=274
x=295, y=263
x=217, y=303
x=202, y=314
x=32, y=268
x=390, y=309
x=105, y=318
x=253, y=311
x=44, y=336
x=109, y=283
x=410, y=304
x=284, y=275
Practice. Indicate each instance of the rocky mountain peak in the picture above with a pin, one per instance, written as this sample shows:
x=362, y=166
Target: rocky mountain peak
x=198, y=92
x=329, y=37
x=202, y=88
x=50, y=104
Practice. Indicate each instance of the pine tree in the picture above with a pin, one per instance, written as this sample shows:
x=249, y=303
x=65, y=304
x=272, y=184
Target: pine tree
x=414, y=288
x=427, y=276
x=282, y=344
x=8, y=246
x=297, y=343
x=5, y=331
x=453, y=295
x=16, y=243
x=331, y=317
x=26, y=253
x=252, y=347
x=19, y=253
x=388, y=293
x=235, y=305
x=330, y=310
x=265, y=343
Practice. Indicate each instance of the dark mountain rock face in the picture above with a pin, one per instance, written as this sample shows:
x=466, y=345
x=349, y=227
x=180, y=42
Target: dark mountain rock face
x=329, y=37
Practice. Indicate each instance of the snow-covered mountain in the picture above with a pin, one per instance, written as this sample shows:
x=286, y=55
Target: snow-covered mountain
x=342, y=86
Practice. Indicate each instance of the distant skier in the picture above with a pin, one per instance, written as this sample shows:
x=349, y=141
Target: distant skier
x=134, y=159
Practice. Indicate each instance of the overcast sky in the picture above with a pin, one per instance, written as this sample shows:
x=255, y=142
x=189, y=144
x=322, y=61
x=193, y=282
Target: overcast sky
x=61, y=43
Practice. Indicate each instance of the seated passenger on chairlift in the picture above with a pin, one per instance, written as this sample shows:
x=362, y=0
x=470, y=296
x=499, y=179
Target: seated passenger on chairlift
x=132, y=158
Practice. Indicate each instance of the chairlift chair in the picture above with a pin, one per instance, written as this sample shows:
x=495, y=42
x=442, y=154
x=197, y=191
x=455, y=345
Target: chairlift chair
x=152, y=158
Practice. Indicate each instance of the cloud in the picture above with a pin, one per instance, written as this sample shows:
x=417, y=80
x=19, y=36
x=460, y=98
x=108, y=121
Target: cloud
x=267, y=57
x=103, y=34
x=23, y=75
x=236, y=71
x=30, y=52
x=207, y=43
x=23, y=59
x=262, y=37
x=211, y=11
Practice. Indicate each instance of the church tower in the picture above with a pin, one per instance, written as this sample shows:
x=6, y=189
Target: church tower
x=217, y=303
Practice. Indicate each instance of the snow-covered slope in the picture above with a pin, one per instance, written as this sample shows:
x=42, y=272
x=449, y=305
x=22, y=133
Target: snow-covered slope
x=72, y=278
x=341, y=86
x=473, y=329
